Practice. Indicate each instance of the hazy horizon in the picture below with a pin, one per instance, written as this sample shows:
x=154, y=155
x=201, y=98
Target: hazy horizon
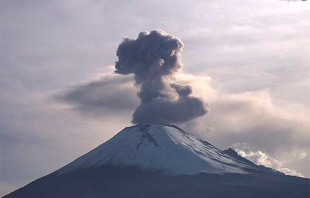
x=60, y=95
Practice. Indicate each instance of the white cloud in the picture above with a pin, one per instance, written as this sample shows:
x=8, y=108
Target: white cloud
x=288, y=171
x=253, y=117
x=262, y=158
x=255, y=52
x=300, y=155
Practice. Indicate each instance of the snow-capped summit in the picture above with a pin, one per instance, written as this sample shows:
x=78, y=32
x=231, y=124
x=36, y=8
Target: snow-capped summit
x=162, y=161
x=164, y=148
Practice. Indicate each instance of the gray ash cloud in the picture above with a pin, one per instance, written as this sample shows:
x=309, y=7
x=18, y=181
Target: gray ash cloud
x=154, y=57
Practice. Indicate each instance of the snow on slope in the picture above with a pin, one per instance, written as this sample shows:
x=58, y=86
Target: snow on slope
x=159, y=147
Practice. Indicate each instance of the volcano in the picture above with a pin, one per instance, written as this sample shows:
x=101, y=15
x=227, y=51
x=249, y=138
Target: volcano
x=152, y=161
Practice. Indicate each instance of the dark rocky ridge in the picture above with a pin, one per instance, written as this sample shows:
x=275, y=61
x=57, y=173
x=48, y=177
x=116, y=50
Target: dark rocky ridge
x=112, y=181
x=132, y=182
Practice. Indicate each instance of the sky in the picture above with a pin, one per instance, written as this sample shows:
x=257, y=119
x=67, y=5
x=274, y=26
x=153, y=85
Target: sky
x=60, y=97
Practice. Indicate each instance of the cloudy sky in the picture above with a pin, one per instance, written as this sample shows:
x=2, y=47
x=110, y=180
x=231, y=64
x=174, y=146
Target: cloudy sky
x=60, y=98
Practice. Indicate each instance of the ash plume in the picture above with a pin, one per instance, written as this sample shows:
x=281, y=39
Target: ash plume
x=154, y=57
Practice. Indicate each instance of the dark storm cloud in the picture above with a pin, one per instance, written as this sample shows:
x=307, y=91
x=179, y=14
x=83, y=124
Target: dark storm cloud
x=153, y=58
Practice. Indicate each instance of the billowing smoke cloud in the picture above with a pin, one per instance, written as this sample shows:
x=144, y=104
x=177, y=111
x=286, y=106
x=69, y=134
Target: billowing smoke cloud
x=154, y=57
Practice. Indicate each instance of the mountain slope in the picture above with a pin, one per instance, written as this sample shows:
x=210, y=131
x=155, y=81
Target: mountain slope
x=162, y=161
x=160, y=147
